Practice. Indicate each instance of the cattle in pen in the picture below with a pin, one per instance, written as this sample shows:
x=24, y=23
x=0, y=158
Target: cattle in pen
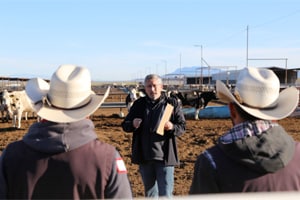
x=18, y=104
x=3, y=109
x=4, y=113
x=199, y=100
x=133, y=94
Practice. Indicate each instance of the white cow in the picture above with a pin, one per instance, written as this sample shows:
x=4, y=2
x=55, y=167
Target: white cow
x=17, y=103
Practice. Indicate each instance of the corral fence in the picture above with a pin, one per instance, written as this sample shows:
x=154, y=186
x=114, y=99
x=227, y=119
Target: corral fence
x=12, y=84
x=116, y=98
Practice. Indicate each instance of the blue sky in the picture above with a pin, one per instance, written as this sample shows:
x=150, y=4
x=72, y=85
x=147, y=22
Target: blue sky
x=127, y=39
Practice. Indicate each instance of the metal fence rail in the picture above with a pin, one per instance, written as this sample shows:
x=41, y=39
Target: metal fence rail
x=113, y=105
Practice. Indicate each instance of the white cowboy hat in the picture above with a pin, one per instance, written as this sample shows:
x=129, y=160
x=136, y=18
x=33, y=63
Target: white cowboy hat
x=69, y=96
x=257, y=93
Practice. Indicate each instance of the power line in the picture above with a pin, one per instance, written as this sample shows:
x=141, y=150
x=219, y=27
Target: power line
x=254, y=27
x=277, y=19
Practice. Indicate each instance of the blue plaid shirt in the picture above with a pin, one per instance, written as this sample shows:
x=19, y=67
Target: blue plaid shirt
x=240, y=131
x=246, y=129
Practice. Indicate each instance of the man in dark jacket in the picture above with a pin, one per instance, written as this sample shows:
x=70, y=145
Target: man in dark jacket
x=154, y=150
x=256, y=155
x=61, y=157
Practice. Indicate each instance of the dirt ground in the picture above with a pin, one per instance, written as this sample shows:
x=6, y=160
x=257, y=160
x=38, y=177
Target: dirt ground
x=199, y=135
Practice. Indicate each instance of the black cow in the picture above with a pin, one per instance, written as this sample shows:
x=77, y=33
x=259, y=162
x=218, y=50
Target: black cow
x=199, y=102
x=3, y=109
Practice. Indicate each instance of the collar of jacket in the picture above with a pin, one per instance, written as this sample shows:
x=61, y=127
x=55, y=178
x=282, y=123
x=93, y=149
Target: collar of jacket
x=51, y=137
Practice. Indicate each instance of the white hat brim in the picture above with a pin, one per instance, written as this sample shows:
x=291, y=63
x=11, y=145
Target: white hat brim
x=37, y=88
x=286, y=103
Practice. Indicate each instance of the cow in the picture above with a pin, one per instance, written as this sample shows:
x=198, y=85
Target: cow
x=172, y=94
x=131, y=97
x=199, y=102
x=3, y=109
x=4, y=113
x=133, y=94
x=17, y=103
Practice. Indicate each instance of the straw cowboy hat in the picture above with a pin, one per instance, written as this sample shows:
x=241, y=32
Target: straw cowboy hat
x=257, y=93
x=68, y=98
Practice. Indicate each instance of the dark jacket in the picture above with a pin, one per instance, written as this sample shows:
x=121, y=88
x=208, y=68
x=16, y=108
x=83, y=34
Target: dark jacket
x=62, y=161
x=267, y=162
x=147, y=145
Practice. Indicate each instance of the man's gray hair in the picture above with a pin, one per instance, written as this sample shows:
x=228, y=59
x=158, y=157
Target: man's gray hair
x=151, y=77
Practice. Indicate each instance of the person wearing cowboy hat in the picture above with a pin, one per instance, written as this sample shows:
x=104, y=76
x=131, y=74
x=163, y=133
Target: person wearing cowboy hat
x=256, y=155
x=61, y=157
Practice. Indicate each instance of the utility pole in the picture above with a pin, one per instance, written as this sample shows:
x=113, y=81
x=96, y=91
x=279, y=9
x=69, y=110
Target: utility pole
x=247, y=46
x=201, y=63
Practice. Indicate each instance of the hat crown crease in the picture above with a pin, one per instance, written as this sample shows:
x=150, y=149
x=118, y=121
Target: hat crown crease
x=71, y=90
x=258, y=88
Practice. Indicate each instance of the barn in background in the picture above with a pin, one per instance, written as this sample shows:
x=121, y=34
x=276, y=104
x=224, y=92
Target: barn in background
x=197, y=76
x=286, y=76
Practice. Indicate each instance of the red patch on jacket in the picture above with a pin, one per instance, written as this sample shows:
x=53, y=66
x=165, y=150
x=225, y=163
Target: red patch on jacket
x=121, y=168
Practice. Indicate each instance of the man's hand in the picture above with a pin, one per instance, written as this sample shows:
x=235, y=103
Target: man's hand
x=137, y=122
x=169, y=126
